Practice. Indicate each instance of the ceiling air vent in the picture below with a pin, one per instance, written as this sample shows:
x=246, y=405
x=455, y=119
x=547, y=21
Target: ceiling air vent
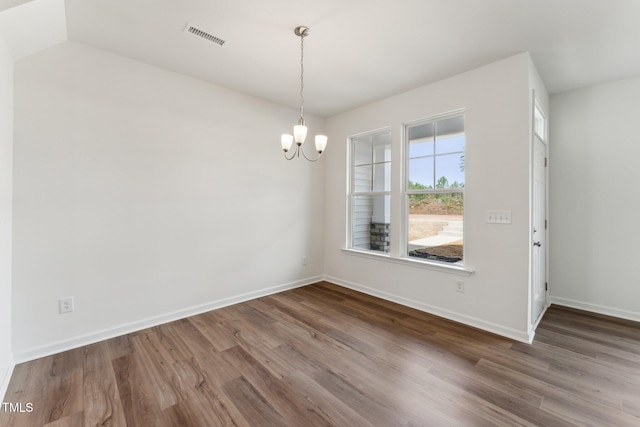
x=203, y=34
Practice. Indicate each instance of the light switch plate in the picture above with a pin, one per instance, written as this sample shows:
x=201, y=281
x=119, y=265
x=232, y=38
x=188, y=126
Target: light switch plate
x=498, y=217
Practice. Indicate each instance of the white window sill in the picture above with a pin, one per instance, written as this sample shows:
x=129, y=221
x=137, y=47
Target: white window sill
x=413, y=262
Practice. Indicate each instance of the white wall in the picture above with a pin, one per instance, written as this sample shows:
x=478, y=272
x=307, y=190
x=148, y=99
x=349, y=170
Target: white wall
x=594, y=198
x=497, y=102
x=145, y=194
x=6, y=161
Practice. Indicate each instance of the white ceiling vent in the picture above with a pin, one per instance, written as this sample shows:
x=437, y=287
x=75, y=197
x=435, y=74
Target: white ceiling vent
x=203, y=34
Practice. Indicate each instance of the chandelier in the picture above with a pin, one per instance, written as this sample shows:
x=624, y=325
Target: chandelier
x=300, y=130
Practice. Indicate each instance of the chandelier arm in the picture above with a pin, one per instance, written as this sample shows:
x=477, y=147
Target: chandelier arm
x=305, y=156
x=293, y=154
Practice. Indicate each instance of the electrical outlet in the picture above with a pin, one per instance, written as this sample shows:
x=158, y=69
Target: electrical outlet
x=304, y=260
x=460, y=286
x=65, y=305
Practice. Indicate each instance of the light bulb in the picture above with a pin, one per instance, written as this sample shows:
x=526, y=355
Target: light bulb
x=286, y=140
x=299, y=133
x=321, y=143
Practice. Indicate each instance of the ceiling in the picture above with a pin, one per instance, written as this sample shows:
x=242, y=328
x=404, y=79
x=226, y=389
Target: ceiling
x=358, y=51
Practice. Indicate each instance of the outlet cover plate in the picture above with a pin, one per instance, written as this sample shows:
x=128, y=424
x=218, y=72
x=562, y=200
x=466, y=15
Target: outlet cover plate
x=65, y=305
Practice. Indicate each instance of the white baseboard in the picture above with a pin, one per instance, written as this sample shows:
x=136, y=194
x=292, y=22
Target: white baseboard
x=4, y=380
x=534, y=326
x=597, y=308
x=522, y=336
x=93, y=337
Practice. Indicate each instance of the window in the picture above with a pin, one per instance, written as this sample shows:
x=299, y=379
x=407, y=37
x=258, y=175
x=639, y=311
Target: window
x=539, y=123
x=370, y=191
x=430, y=202
x=435, y=189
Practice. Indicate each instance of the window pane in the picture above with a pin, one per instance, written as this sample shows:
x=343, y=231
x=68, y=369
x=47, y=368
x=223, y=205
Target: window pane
x=421, y=173
x=382, y=177
x=538, y=123
x=362, y=178
x=452, y=126
x=370, y=223
x=361, y=221
x=421, y=132
x=450, y=144
x=450, y=171
x=435, y=227
x=382, y=147
x=362, y=150
x=420, y=148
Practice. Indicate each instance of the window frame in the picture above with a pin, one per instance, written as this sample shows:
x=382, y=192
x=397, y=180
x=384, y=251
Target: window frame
x=407, y=192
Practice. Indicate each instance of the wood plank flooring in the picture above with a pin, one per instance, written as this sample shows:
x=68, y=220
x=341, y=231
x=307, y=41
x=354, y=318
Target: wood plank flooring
x=323, y=355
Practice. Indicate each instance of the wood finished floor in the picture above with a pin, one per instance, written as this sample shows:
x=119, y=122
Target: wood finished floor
x=323, y=355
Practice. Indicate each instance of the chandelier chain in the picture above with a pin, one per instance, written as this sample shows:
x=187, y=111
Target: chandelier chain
x=302, y=77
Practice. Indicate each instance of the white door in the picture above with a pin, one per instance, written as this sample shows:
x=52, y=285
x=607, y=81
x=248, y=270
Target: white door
x=539, y=264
